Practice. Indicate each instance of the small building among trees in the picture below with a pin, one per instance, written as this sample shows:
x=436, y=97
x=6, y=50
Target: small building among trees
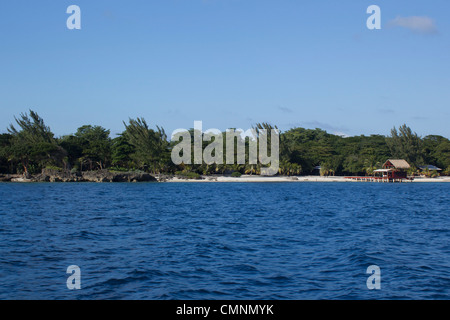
x=394, y=169
x=429, y=167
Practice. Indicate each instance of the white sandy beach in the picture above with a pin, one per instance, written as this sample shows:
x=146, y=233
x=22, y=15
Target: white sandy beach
x=249, y=178
x=253, y=178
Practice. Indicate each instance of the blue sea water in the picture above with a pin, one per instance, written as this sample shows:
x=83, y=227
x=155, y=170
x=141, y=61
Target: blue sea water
x=225, y=240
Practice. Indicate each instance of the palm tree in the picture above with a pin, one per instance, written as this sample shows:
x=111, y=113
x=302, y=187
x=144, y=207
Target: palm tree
x=370, y=165
x=296, y=169
x=249, y=169
x=324, y=169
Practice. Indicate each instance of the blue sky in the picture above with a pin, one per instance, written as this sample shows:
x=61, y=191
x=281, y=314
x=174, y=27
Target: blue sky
x=229, y=63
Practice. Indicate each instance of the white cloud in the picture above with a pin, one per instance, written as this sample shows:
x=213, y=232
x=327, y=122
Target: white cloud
x=341, y=134
x=423, y=25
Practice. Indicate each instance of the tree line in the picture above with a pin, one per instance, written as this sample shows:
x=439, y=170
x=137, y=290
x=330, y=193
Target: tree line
x=29, y=146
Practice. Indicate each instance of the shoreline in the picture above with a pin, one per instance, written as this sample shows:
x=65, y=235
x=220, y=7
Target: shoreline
x=129, y=177
x=290, y=179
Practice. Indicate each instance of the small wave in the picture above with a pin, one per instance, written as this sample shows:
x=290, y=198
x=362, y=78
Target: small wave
x=279, y=279
x=245, y=268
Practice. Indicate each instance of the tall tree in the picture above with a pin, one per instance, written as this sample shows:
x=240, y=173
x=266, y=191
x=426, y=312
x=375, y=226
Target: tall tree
x=151, y=146
x=5, y=147
x=406, y=144
x=74, y=147
x=96, y=145
x=121, y=152
x=34, y=143
x=437, y=150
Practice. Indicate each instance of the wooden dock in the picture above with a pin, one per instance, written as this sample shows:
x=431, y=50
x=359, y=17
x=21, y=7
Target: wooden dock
x=380, y=179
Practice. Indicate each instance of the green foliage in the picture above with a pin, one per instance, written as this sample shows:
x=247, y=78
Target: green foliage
x=236, y=174
x=446, y=172
x=122, y=152
x=412, y=171
x=5, y=148
x=436, y=151
x=404, y=144
x=287, y=168
x=32, y=146
x=74, y=148
x=95, y=144
x=329, y=167
x=337, y=155
x=123, y=169
x=434, y=174
x=188, y=175
x=55, y=168
x=150, y=146
x=370, y=165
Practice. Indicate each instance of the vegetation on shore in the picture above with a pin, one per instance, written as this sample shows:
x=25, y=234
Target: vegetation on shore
x=29, y=146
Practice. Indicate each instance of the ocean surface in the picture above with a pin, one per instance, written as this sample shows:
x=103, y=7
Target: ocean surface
x=225, y=240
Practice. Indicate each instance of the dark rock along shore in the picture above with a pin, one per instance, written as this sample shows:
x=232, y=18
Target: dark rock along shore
x=49, y=175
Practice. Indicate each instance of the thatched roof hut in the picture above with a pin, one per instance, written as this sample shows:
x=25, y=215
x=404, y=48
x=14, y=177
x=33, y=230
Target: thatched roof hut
x=396, y=164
